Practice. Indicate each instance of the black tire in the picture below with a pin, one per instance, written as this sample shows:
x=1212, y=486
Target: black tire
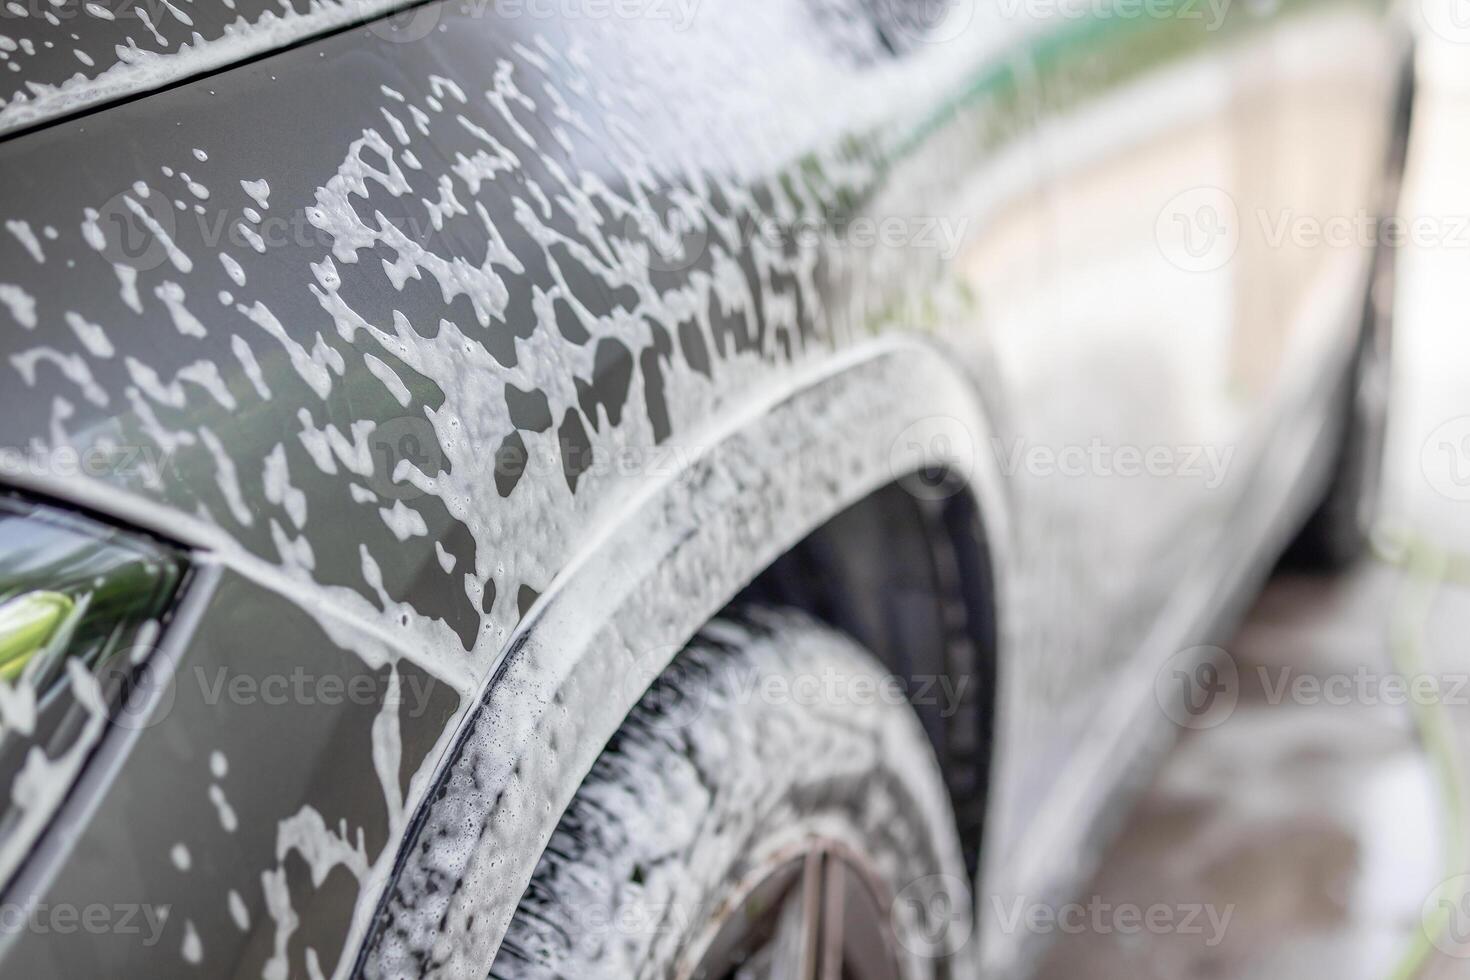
x=705, y=785
x=908, y=577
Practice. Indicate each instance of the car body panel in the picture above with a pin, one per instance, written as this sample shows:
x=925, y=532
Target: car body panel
x=1129, y=342
x=69, y=57
x=423, y=340
x=181, y=832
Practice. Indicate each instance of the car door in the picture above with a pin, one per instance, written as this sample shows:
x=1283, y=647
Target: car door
x=1174, y=360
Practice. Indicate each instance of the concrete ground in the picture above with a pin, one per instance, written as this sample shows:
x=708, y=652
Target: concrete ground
x=1312, y=816
x=1324, y=815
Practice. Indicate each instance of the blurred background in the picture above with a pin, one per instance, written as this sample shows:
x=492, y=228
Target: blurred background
x=1327, y=833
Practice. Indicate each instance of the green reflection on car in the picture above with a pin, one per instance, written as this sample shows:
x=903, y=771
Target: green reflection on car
x=28, y=624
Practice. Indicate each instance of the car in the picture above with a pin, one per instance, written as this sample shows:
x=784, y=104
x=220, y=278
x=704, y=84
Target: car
x=651, y=488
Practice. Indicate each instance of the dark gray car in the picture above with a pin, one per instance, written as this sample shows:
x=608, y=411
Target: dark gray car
x=659, y=488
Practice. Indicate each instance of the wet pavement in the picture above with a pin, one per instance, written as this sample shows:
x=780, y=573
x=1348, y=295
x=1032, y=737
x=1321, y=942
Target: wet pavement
x=1319, y=824
x=1307, y=820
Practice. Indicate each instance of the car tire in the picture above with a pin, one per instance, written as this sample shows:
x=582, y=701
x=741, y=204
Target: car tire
x=729, y=803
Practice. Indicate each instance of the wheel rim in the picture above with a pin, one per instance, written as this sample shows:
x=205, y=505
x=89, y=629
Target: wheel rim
x=818, y=914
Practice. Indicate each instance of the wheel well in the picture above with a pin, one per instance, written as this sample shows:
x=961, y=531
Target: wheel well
x=906, y=572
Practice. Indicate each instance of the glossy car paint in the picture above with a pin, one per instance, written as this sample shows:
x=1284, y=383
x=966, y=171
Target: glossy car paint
x=484, y=357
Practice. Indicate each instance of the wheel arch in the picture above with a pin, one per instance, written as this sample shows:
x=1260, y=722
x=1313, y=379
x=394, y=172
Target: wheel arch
x=769, y=477
x=907, y=573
